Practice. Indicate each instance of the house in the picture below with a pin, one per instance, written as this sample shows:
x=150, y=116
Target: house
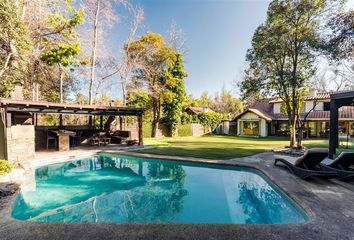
x=265, y=118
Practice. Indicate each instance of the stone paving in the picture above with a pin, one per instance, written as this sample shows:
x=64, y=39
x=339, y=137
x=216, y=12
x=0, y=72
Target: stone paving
x=329, y=205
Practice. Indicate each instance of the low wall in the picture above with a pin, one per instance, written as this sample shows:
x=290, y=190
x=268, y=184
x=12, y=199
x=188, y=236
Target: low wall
x=2, y=140
x=20, y=143
x=199, y=130
x=196, y=129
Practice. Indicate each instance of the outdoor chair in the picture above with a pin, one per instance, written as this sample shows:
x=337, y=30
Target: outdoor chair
x=120, y=136
x=51, y=139
x=104, y=138
x=76, y=140
x=308, y=165
x=342, y=165
x=96, y=139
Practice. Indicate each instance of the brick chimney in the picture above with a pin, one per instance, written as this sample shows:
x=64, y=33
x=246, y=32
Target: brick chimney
x=17, y=93
x=312, y=92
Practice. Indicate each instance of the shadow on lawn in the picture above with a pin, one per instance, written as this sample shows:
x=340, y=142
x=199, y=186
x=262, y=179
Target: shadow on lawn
x=211, y=152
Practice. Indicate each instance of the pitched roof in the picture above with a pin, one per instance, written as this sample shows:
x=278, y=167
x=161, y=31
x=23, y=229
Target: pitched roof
x=345, y=113
x=265, y=111
x=258, y=112
x=197, y=110
x=317, y=96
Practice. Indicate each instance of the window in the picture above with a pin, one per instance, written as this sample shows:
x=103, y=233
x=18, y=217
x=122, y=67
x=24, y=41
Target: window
x=251, y=128
x=277, y=108
x=326, y=106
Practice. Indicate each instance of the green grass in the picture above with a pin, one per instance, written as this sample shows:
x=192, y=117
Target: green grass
x=219, y=147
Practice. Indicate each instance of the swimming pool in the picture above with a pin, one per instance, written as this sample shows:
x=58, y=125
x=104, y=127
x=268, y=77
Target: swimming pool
x=111, y=188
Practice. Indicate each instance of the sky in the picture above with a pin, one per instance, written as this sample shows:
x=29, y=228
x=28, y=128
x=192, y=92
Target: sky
x=218, y=33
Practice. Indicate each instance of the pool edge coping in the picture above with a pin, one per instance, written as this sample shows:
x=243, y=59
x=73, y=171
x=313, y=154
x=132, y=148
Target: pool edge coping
x=235, y=163
x=259, y=231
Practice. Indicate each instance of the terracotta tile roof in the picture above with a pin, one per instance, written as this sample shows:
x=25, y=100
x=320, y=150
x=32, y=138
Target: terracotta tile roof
x=318, y=96
x=197, y=110
x=266, y=112
x=345, y=113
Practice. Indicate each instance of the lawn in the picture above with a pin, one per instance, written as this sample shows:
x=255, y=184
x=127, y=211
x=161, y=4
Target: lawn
x=219, y=147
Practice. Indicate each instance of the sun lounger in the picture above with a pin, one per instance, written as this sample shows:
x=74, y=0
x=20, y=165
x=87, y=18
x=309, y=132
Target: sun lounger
x=308, y=165
x=342, y=165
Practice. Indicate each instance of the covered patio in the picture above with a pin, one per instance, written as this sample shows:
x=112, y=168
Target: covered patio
x=22, y=134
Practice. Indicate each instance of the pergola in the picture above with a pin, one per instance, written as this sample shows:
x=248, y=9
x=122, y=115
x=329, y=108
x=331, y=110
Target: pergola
x=10, y=107
x=338, y=100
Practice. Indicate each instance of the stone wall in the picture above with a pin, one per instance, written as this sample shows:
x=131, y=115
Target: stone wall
x=20, y=143
x=162, y=130
x=199, y=130
x=2, y=140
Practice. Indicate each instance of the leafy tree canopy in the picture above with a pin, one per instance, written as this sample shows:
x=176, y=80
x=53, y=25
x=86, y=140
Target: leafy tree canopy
x=281, y=59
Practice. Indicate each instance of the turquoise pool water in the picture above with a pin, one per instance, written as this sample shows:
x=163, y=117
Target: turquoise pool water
x=110, y=188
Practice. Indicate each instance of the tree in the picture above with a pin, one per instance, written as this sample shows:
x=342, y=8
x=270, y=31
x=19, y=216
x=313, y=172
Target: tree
x=204, y=100
x=340, y=44
x=282, y=54
x=14, y=46
x=62, y=56
x=154, y=58
x=101, y=16
x=210, y=119
x=341, y=39
x=129, y=60
x=225, y=102
x=174, y=94
x=62, y=38
x=177, y=38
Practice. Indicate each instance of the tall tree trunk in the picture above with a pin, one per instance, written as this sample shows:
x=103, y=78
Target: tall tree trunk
x=24, y=8
x=154, y=119
x=61, y=84
x=94, y=48
x=124, y=88
x=7, y=61
x=156, y=116
x=293, y=134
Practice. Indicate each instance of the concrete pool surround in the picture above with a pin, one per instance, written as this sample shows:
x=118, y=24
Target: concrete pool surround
x=327, y=204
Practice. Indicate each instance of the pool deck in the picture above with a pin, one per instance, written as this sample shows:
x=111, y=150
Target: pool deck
x=329, y=205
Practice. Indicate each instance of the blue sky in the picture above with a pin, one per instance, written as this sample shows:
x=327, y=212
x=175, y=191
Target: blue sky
x=218, y=35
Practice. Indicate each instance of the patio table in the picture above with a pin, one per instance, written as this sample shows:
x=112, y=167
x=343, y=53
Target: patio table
x=64, y=139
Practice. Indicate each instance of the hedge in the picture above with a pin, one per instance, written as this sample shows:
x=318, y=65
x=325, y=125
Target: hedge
x=5, y=167
x=185, y=130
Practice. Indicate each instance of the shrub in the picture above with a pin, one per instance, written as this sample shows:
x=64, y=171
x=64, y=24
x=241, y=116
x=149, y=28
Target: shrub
x=185, y=130
x=5, y=167
x=146, y=129
x=210, y=119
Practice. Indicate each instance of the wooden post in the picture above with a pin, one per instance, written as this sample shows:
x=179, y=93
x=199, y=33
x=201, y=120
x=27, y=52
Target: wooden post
x=8, y=119
x=90, y=121
x=61, y=120
x=140, y=125
x=333, y=133
x=36, y=119
x=120, y=123
x=101, y=123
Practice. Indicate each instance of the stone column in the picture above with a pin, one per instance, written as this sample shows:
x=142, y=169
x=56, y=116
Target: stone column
x=63, y=142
